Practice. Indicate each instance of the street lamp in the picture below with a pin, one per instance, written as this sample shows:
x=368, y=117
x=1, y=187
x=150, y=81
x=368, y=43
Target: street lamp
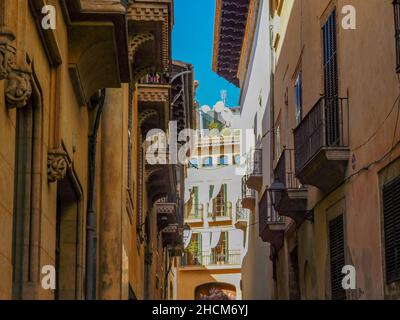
x=275, y=191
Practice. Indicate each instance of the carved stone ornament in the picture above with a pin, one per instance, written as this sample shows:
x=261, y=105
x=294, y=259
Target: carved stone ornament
x=18, y=88
x=57, y=165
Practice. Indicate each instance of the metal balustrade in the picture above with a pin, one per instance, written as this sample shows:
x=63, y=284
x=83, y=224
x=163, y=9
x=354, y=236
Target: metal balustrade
x=326, y=125
x=212, y=258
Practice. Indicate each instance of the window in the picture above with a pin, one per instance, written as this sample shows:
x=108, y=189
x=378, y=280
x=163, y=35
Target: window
x=223, y=160
x=396, y=5
x=220, y=202
x=298, y=98
x=337, y=261
x=208, y=162
x=278, y=147
x=331, y=81
x=219, y=254
x=237, y=159
x=391, y=214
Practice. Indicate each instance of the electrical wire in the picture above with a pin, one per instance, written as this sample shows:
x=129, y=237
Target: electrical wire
x=380, y=126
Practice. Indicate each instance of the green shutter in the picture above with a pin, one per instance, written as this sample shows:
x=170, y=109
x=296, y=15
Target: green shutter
x=226, y=246
x=225, y=199
x=199, y=252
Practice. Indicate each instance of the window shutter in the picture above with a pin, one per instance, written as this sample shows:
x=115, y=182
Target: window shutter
x=391, y=213
x=337, y=261
x=225, y=199
x=331, y=81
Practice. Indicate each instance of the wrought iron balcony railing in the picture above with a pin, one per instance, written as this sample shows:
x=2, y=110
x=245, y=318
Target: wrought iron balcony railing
x=246, y=191
x=248, y=195
x=195, y=213
x=284, y=171
x=155, y=79
x=254, y=163
x=221, y=210
x=212, y=258
x=326, y=125
x=242, y=214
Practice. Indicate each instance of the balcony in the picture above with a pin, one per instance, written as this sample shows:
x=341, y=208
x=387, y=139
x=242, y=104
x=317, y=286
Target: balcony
x=166, y=214
x=221, y=211
x=248, y=196
x=242, y=218
x=272, y=225
x=212, y=258
x=149, y=26
x=321, y=144
x=292, y=201
x=176, y=251
x=172, y=236
x=254, y=170
x=195, y=214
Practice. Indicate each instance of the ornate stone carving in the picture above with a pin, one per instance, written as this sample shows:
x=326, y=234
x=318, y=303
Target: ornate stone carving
x=7, y=52
x=57, y=165
x=18, y=88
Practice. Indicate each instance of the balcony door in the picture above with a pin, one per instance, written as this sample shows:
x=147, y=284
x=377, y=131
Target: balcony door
x=332, y=119
x=220, y=202
x=219, y=254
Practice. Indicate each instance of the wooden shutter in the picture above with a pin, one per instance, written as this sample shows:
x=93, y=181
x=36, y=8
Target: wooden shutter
x=225, y=200
x=337, y=261
x=331, y=81
x=391, y=213
x=396, y=5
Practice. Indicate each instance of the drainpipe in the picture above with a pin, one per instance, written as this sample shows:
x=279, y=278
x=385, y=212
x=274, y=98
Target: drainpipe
x=91, y=240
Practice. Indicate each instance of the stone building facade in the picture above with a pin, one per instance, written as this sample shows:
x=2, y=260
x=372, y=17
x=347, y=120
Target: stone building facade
x=75, y=191
x=330, y=197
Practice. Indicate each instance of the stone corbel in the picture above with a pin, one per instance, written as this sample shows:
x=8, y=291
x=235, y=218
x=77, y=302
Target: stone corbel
x=7, y=52
x=18, y=88
x=57, y=165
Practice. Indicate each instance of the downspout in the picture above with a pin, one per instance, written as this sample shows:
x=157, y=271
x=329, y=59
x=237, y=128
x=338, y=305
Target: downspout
x=91, y=239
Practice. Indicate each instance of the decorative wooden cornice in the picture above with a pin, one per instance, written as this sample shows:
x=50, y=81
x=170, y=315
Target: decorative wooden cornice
x=248, y=39
x=153, y=93
x=230, y=24
x=18, y=88
x=57, y=165
x=147, y=11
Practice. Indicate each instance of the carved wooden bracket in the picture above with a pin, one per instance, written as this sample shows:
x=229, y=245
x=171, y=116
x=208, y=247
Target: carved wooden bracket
x=57, y=165
x=18, y=88
x=136, y=41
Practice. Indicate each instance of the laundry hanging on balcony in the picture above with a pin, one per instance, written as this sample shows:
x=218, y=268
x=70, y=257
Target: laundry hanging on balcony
x=215, y=236
x=213, y=193
x=187, y=237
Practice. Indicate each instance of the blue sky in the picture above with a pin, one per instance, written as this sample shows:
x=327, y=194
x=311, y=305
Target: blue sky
x=193, y=36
